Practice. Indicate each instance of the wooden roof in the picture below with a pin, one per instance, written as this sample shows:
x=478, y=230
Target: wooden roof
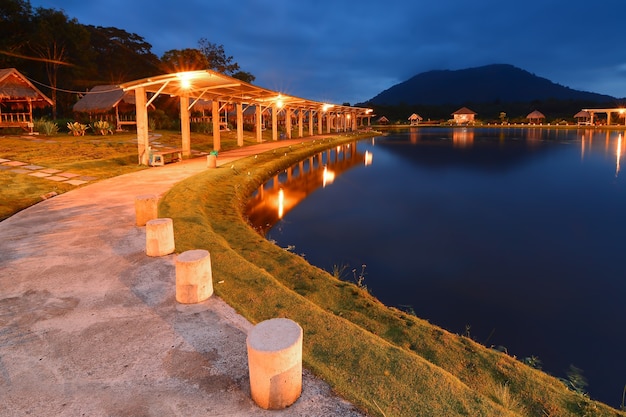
x=211, y=85
x=535, y=115
x=464, y=110
x=15, y=87
x=103, y=98
x=415, y=116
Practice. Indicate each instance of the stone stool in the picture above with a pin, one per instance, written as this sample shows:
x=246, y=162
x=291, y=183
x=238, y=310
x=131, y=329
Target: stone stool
x=211, y=161
x=145, y=208
x=275, y=363
x=194, y=280
x=159, y=237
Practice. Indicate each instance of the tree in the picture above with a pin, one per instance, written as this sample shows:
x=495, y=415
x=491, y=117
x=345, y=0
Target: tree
x=121, y=56
x=216, y=57
x=176, y=60
x=15, y=24
x=58, y=42
x=244, y=76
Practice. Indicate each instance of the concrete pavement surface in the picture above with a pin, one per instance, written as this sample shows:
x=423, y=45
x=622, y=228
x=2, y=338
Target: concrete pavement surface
x=89, y=324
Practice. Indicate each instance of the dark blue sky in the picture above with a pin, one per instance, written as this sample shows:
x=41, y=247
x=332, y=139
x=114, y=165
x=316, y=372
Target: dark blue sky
x=344, y=51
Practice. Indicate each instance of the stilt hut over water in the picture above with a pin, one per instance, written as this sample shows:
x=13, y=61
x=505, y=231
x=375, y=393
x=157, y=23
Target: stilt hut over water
x=18, y=97
x=536, y=117
x=110, y=103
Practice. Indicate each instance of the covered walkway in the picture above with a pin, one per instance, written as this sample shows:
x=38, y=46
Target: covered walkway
x=620, y=111
x=194, y=87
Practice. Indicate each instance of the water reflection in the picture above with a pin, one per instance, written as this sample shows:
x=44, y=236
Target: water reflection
x=619, y=154
x=463, y=138
x=284, y=191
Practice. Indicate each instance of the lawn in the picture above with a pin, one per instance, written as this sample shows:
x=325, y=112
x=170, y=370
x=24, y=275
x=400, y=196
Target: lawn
x=388, y=362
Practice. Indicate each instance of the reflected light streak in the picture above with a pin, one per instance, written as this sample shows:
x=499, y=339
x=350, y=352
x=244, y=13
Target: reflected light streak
x=281, y=203
x=368, y=158
x=327, y=177
x=582, y=151
x=619, y=154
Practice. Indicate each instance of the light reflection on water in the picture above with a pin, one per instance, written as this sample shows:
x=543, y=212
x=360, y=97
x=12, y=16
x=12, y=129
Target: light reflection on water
x=517, y=233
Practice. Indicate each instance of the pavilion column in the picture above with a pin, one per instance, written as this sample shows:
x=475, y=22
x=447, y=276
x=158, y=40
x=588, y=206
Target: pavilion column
x=338, y=122
x=329, y=120
x=215, y=115
x=310, y=122
x=239, y=124
x=142, y=125
x=288, y=122
x=185, y=128
x=259, y=126
x=608, y=118
x=274, y=122
x=320, y=120
x=300, y=120
x=354, y=122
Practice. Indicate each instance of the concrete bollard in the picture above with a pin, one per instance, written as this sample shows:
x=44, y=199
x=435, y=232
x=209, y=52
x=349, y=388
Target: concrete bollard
x=211, y=161
x=159, y=237
x=145, y=208
x=194, y=279
x=275, y=363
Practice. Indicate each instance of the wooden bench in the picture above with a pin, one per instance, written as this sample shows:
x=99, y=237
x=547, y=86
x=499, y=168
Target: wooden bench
x=160, y=158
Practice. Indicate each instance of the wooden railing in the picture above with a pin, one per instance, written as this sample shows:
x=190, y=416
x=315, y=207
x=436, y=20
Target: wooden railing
x=15, y=118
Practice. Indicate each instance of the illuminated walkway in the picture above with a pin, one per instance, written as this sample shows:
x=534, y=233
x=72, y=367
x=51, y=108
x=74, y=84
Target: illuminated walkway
x=89, y=324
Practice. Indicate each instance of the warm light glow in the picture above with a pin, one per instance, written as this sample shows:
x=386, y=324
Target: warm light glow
x=327, y=177
x=368, y=158
x=279, y=102
x=281, y=203
x=185, y=80
x=619, y=153
x=325, y=107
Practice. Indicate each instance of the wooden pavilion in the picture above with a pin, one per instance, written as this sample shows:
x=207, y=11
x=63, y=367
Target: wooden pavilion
x=536, y=117
x=18, y=97
x=221, y=90
x=415, y=119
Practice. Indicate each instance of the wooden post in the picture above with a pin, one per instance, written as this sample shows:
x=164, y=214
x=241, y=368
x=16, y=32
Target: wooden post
x=185, y=128
x=239, y=124
x=274, y=122
x=215, y=115
x=259, y=123
x=143, y=143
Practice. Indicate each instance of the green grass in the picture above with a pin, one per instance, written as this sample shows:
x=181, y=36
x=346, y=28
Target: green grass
x=384, y=360
x=381, y=358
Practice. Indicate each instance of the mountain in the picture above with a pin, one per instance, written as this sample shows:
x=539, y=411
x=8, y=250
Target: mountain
x=497, y=83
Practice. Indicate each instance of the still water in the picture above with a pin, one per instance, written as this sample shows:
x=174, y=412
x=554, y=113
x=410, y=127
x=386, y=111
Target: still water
x=516, y=237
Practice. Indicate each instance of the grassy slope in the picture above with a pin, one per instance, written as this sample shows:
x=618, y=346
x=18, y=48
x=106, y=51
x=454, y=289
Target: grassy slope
x=380, y=358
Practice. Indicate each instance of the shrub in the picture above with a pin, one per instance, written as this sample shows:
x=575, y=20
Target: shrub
x=102, y=126
x=77, y=128
x=46, y=127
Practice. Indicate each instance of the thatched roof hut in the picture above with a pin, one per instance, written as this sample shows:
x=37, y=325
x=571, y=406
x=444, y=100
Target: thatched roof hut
x=535, y=117
x=106, y=102
x=18, y=96
x=583, y=117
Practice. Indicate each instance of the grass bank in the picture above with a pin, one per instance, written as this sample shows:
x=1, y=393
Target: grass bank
x=388, y=362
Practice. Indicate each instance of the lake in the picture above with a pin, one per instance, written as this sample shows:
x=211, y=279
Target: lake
x=515, y=237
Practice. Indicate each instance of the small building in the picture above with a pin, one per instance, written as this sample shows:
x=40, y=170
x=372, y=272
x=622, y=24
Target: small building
x=18, y=97
x=583, y=117
x=110, y=103
x=464, y=116
x=415, y=119
x=382, y=120
x=536, y=117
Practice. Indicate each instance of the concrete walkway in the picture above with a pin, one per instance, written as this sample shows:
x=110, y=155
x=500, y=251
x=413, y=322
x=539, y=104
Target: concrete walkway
x=89, y=325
